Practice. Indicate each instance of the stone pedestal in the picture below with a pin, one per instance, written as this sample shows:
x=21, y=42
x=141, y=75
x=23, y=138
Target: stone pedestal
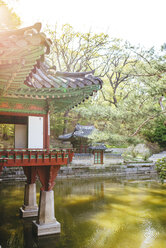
x=46, y=223
x=30, y=208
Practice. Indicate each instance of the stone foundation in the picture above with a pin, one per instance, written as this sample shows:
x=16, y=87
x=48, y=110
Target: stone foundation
x=46, y=229
x=127, y=170
x=30, y=208
x=13, y=173
x=46, y=223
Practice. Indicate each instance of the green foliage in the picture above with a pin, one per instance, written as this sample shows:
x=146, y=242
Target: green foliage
x=6, y=130
x=6, y=135
x=160, y=133
x=161, y=169
x=134, y=81
x=56, y=124
x=118, y=67
x=74, y=51
x=156, y=131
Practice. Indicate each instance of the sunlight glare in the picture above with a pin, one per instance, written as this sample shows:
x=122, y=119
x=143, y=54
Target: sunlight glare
x=139, y=21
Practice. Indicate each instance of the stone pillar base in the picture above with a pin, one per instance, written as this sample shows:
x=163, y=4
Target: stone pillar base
x=30, y=208
x=28, y=213
x=46, y=229
x=46, y=223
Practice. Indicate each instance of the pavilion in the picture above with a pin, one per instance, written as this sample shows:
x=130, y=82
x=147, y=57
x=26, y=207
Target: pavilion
x=30, y=91
x=79, y=138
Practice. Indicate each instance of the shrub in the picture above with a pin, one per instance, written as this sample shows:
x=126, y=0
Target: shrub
x=140, y=151
x=161, y=168
x=156, y=132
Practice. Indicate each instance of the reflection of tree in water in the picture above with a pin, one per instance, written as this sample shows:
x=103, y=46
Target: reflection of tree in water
x=15, y=241
x=99, y=189
x=29, y=241
x=80, y=186
x=107, y=215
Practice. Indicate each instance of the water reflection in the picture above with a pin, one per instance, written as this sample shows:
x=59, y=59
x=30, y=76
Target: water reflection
x=93, y=214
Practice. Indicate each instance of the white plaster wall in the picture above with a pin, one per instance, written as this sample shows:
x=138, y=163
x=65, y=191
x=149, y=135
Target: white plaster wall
x=83, y=159
x=88, y=159
x=112, y=159
x=35, y=132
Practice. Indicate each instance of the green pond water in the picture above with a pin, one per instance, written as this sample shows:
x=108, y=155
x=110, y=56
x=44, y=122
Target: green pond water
x=94, y=213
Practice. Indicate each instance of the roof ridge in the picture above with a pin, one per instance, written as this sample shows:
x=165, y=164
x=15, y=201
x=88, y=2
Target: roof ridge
x=74, y=74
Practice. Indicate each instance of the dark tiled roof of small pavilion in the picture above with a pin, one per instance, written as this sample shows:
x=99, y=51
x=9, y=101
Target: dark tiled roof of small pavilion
x=98, y=146
x=25, y=74
x=80, y=131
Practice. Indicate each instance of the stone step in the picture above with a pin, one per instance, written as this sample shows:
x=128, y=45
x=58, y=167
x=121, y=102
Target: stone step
x=157, y=156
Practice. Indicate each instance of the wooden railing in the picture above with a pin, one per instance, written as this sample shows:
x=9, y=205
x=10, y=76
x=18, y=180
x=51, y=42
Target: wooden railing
x=35, y=157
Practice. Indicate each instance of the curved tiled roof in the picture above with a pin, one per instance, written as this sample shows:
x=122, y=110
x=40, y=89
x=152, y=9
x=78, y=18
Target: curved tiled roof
x=98, y=146
x=44, y=76
x=65, y=136
x=83, y=131
x=25, y=74
x=19, y=52
x=80, y=131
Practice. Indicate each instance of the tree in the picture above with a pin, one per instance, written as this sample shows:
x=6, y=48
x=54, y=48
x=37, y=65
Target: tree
x=134, y=82
x=73, y=51
x=117, y=69
x=133, y=95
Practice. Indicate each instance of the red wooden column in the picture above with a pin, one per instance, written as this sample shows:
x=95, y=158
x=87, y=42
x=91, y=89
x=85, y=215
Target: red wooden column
x=2, y=160
x=47, y=131
x=1, y=168
x=31, y=173
x=29, y=208
x=46, y=222
x=47, y=176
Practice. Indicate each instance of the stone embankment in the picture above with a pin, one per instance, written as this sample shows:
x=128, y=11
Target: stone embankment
x=129, y=170
x=12, y=174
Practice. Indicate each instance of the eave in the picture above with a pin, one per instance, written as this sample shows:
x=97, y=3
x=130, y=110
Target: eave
x=24, y=76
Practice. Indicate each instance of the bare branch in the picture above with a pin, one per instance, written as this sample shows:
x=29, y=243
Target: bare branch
x=105, y=99
x=145, y=122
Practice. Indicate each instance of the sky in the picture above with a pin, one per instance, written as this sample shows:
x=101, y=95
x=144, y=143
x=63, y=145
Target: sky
x=138, y=21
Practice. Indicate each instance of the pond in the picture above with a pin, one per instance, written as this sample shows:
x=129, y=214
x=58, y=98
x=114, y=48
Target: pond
x=94, y=213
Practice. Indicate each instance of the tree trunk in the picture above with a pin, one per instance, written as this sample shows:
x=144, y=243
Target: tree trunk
x=65, y=122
